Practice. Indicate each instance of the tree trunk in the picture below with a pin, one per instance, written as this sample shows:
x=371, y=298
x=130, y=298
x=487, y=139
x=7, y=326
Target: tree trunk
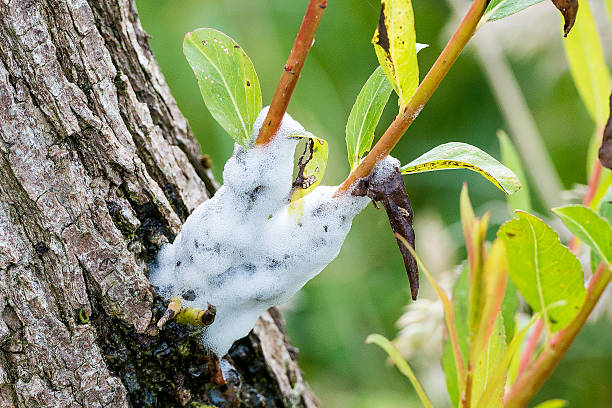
x=98, y=168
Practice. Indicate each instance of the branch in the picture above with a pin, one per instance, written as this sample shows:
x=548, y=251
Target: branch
x=530, y=382
x=292, y=70
x=432, y=80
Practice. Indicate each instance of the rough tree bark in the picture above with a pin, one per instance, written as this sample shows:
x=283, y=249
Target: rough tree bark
x=98, y=168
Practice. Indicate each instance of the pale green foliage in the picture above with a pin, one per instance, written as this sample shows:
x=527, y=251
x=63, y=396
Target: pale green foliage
x=461, y=302
x=509, y=307
x=487, y=366
x=461, y=293
x=499, y=9
x=555, y=403
x=501, y=372
x=450, y=370
x=395, y=46
x=227, y=79
x=587, y=225
x=457, y=155
x=520, y=200
x=605, y=207
x=401, y=365
x=546, y=273
x=588, y=66
x=365, y=115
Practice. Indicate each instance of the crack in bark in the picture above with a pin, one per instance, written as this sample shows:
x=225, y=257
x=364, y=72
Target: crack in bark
x=97, y=169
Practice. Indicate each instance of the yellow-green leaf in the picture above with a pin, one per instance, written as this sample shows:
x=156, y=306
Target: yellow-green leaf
x=544, y=271
x=587, y=65
x=498, y=9
x=488, y=364
x=501, y=370
x=365, y=115
x=227, y=79
x=521, y=200
x=605, y=205
x=494, y=282
x=311, y=167
x=395, y=45
x=457, y=155
x=555, y=403
x=401, y=364
x=589, y=227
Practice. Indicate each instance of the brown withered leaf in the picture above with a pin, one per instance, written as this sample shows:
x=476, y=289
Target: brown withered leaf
x=605, y=151
x=569, y=9
x=390, y=191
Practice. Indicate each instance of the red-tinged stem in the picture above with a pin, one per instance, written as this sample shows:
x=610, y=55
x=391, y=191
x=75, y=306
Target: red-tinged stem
x=430, y=83
x=593, y=183
x=591, y=191
x=531, y=381
x=532, y=344
x=292, y=70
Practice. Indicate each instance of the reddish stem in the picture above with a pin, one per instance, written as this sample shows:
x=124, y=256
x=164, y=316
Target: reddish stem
x=531, y=381
x=591, y=191
x=530, y=348
x=292, y=70
x=593, y=183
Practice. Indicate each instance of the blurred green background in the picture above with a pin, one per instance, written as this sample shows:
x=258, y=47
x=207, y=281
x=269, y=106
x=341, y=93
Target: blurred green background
x=365, y=289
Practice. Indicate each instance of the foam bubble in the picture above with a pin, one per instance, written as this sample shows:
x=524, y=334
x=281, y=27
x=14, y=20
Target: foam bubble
x=242, y=250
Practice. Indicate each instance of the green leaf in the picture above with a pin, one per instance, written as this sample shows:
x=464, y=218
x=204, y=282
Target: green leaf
x=401, y=365
x=493, y=289
x=499, y=9
x=556, y=403
x=501, y=371
x=395, y=45
x=588, y=66
x=490, y=359
x=544, y=271
x=609, y=7
x=605, y=206
x=311, y=167
x=457, y=155
x=365, y=115
x=461, y=301
x=449, y=315
x=450, y=373
x=228, y=82
x=520, y=200
x=589, y=227
x=508, y=308
x=605, y=181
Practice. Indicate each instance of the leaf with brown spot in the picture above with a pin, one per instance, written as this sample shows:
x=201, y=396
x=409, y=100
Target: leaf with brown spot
x=395, y=46
x=569, y=9
x=311, y=167
x=605, y=151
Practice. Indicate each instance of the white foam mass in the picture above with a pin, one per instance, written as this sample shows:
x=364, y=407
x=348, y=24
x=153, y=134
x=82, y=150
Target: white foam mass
x=242, y=250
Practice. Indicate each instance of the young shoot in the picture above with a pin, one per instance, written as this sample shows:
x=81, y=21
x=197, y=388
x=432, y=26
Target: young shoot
x=264, y=235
